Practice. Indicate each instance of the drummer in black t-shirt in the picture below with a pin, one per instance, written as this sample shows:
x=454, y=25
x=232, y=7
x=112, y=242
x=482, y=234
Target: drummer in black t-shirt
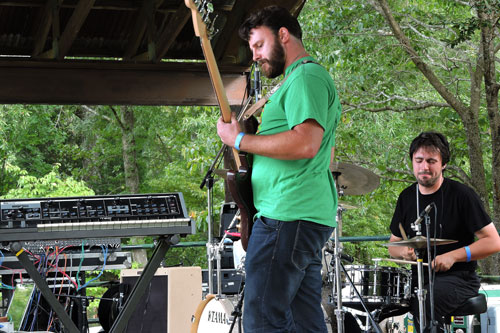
x=458, y=214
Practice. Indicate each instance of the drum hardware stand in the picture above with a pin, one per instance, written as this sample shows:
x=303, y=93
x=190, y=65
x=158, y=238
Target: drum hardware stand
x=421, y=291
x=238, y=311
x=339, y=312
x=209, y=180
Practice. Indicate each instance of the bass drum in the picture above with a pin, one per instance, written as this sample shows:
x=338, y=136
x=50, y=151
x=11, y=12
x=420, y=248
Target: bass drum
x=213, y=315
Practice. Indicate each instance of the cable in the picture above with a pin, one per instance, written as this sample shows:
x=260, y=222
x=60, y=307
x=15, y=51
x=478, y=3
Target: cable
x=82, y=256
x=105, y=254
x=3, y=285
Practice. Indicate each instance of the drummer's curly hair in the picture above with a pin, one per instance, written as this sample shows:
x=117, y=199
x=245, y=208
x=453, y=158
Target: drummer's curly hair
x=431, y=139
x=273, y=17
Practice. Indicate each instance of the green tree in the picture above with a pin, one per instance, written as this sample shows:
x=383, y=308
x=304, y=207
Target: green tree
x=404, y=67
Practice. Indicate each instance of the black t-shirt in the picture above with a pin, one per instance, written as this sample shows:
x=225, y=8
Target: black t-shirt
x=459, y=213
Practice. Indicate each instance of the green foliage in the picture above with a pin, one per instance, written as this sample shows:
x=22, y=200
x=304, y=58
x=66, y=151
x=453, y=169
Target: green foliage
x=21, y=297
x=50, y=185
x=379, y=87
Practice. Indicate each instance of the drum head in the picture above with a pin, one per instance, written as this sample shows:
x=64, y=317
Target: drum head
x=215, y=316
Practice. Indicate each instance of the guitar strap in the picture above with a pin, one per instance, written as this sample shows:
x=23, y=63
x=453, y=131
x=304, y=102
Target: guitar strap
x=261, y=102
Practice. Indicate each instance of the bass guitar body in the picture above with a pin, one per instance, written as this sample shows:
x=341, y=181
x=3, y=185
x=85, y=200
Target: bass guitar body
x=240, y=187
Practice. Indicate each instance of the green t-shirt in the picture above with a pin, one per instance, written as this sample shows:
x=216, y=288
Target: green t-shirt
x=304, y=189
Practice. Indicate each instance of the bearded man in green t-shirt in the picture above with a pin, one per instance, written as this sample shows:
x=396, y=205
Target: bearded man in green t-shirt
x=293, y=189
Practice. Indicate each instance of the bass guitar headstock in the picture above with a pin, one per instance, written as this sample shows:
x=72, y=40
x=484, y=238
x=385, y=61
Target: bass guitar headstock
x=202, y=12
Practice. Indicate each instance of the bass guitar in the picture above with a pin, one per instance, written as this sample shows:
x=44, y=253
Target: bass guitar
x=239, y=183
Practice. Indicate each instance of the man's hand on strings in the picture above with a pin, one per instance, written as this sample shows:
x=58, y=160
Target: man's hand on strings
x=228, y=131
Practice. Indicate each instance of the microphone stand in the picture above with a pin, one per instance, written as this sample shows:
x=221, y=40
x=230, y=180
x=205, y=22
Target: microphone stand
x=421, y=292
x=429, y=269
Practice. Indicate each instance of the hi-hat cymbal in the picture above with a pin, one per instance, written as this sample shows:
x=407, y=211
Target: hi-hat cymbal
x=399, y=261
x=420, y=242
x=353, y=179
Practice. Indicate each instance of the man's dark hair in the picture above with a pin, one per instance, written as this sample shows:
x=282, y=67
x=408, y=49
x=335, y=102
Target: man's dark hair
x=431, y=140
x=273, y=17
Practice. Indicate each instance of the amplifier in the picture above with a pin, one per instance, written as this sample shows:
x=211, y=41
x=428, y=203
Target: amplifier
x=170, y=301
x=231, y=280
x=96, y=216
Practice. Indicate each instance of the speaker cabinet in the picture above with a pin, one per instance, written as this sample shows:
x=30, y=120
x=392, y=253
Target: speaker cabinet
x=169, y=301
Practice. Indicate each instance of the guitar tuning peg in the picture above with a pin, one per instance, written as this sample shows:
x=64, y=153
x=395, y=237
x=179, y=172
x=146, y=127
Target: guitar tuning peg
x=210, y=7
x=211, y=28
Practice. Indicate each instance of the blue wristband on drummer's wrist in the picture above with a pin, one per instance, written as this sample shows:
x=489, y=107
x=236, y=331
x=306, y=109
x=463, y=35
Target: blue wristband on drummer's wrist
x=238, y=140
x=467, y=251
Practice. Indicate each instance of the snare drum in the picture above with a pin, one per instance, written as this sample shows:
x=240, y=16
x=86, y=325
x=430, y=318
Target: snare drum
x=377, y=286
x=213, y=315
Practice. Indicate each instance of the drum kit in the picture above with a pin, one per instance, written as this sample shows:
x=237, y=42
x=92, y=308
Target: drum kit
x=371, y=291
x=375, y=292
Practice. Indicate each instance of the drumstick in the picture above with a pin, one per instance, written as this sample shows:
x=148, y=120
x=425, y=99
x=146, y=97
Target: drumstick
x=403, y=233
x=399, y=261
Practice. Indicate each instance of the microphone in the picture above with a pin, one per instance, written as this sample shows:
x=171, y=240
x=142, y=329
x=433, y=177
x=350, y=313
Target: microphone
x=257, y=83
x=347, y=258
x=423, y=213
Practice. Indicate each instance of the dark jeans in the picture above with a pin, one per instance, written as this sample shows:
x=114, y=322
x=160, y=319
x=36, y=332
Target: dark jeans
x=451, y=290
x=283, y=277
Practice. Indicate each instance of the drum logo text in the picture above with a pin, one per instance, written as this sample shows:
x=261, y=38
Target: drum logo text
x=218, y=317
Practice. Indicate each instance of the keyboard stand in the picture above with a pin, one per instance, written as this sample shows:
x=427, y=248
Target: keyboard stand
x=22, y=256
x=163, y=245
x=142, y=283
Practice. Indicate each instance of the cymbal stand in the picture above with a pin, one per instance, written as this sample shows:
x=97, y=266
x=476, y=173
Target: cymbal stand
x=339, y=312
x=211, y=252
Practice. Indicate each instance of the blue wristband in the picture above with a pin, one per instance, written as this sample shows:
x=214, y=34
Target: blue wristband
x=238, y=140
x=467, y=251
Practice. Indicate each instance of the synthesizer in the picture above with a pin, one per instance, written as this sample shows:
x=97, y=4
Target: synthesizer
x=94, y=217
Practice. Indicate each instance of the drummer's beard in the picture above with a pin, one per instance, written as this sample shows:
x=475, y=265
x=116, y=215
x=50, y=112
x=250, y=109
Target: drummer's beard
x=428, y=182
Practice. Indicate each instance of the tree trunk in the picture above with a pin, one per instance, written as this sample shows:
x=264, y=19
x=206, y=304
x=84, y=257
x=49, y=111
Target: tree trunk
x=488, y=18
x=130, y=167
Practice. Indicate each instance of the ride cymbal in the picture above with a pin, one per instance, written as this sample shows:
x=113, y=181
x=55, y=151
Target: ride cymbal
x=353, y=179
x=420, y=242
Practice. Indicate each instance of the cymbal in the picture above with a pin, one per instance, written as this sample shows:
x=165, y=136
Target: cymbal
x=345, y=205
x=353, y=179
x=420, y=242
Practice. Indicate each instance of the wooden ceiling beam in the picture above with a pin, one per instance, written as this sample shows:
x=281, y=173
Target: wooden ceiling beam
x=124, y=5
x=32, y=82
x=172, y=30
x=234, y=19
x=71, y=30
x=45, y=19
x=139, y=29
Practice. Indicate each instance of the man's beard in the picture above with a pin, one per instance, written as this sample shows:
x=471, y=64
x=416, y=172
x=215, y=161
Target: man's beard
x=276, y=63
x=429, y=182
